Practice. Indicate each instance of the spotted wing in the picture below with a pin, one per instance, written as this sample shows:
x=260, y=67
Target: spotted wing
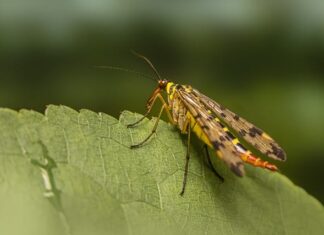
x=252, y=134
x=225, y=149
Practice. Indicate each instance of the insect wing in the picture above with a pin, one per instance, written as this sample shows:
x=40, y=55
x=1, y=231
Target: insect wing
x=252, y=134
x=214, y=131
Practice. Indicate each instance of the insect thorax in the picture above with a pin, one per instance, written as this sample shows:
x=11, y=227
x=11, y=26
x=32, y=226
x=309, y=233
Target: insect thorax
x=178, y=109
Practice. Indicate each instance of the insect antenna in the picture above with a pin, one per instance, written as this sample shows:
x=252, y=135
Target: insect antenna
x=125, y=70
x=149, y=63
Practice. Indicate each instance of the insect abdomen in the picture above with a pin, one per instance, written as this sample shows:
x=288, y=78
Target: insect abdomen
x=245, y=154
x=198, y=130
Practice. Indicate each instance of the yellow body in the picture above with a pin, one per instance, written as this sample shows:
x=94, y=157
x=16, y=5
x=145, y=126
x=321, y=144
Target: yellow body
x=188, y=118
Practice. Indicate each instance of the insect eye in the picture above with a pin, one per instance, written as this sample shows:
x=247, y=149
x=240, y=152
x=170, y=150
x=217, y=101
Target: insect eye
x=163, y=83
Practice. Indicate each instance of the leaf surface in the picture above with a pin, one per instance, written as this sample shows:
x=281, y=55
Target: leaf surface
x=69, y=172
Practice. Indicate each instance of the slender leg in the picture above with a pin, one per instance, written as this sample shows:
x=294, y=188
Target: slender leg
x=149, y=106
x=153, y=130
x=141, y=119
x=211, y=164
x=185, y=176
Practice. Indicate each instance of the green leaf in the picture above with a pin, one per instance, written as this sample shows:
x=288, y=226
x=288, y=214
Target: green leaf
x=72, y=172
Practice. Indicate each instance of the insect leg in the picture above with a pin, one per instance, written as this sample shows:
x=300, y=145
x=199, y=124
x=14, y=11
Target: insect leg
x=185, y=176
x=211, y=164
x=138, y=121
x=149, y=105
x=153, y=130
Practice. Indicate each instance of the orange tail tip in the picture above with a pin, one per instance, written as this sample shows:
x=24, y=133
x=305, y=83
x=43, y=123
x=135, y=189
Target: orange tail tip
x=254, y=161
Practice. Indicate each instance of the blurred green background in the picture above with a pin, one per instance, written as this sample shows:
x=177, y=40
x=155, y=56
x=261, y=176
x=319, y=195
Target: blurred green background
x=263, y=60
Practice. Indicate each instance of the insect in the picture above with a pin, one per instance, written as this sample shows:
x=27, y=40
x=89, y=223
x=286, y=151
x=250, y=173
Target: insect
x=191, y=111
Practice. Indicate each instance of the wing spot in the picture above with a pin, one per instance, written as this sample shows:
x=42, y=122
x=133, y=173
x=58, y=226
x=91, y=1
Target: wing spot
x=253, y=131
x=216, y=144
x=242, y=132
x=212, y=116
x=237, y=168
x=222, y=138
x=205, y=127
x=278, y=152
x=230, y=135
x=222, y=107
x=236, y=117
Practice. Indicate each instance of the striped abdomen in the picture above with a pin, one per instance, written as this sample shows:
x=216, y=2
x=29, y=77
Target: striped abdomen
x=183, y=117
x=245, y=154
